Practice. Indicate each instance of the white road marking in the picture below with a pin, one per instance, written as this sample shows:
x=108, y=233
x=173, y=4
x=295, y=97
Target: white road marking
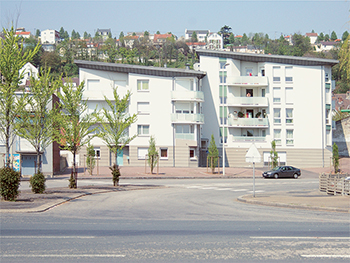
x=49, y=237
x=64, y=256
x=326, y=256
x=285, y=237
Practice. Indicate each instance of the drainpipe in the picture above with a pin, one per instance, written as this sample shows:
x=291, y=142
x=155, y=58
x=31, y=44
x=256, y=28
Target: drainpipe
x=323, y=112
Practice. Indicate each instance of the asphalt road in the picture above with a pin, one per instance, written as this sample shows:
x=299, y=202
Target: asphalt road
x=187, y=221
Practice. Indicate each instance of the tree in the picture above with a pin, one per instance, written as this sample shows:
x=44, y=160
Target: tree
x=12, y=59
x=335, y=158
x=345, y=36
x=115, y=122
x=326, y=37
x=301, y=45
x=231, y=39
x=90, y=158
x=194, y=37
x=37, y=33
x=344, y=59
x=213, y=154
x=320, y=37
x=76, y=126
x=273, y=155
x=225, y=32
x=333, y=36
x=153, y=155
x=36, y=122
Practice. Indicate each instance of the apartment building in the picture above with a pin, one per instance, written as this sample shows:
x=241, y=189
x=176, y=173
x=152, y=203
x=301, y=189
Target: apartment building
x=258, y=98
x=169, y=106
x=49, y=36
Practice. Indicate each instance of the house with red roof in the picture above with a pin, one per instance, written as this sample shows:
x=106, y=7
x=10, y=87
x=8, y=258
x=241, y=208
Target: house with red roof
x=313, y=37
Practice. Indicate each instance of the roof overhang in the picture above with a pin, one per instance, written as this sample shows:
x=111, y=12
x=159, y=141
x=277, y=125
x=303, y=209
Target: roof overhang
x=136, y=69
x=293, y=60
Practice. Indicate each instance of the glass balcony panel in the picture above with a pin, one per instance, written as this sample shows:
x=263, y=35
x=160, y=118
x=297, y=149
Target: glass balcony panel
x=187, y=118
x=187, y=95
x=249, y=138
x=248, y=122
x=185, y=136
x=247, y=81
x=247, y=101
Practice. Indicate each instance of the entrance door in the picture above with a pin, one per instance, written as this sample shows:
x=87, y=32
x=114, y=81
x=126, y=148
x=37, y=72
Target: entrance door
x=120, y=157
x=28, y=164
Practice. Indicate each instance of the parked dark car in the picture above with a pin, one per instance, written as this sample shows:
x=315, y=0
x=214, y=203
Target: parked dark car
x=282, y=171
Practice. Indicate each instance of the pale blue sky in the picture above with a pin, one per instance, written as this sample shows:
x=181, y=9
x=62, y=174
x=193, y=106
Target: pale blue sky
x=270, y=17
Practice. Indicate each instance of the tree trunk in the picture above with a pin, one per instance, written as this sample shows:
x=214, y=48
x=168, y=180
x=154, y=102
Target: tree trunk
x=74, y=171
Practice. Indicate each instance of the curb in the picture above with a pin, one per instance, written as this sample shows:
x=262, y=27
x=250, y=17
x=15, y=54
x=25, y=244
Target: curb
x=306, y=207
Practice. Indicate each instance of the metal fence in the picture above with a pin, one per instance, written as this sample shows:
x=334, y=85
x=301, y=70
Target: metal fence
x=334, y=184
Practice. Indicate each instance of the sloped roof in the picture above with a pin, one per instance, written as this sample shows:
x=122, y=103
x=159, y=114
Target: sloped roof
x=311, y=34
x=136, y=69
x=293, y=60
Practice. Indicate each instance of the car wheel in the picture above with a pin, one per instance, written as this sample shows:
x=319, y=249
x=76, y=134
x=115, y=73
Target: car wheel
x=295, y=176
x=276, y=176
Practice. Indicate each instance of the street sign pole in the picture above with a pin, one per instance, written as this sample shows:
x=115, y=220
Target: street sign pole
x=253, y=156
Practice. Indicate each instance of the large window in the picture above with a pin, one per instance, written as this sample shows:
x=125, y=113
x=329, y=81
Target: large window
x=276, y=94
x=143, y=107
x=223, y=76
x=277, y=116
x=289, y=95
x=143, y=129
x=141, y=153
x=276, y=71
x=289, y=74
x=142, y=85
x=289, y=115
x=277, y=136
x=163, y=153
x=289, y=137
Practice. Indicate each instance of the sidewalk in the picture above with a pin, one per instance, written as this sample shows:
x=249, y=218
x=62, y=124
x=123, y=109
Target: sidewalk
x=311, y=199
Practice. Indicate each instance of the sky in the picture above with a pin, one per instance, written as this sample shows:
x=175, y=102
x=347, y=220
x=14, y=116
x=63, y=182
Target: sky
x=273, y=17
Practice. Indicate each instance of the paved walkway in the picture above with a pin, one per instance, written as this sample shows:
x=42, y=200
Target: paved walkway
x=311, y=199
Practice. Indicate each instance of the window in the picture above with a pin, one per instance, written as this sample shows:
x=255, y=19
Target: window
x=192, y=153
x=163, y=153
x=277, y=136
x=289, y=140
x=277, y=116
x=97, y=152
x=223, y=94
x=276, y=94
x=326, y=77
x=289, y=74
x=93, y=84
x=289, y=95
x=222, y=131
x=142, y=85
x=223, y=115
x=289, y=115
x=141, y=153
x=143, y=129
x=276, y=71
x=223, y=76
x=143, y=107
x=263, y=93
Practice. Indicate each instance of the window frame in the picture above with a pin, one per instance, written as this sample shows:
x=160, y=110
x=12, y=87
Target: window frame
x=289, y=140
x=141, y=127
x=160, y=153
x=278, y=117
x=142, y=81
x=289, y=120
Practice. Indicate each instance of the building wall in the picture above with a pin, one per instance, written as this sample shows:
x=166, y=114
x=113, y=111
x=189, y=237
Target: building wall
x=341, y=136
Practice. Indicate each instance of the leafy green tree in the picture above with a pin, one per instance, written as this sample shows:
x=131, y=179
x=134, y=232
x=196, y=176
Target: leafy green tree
x=12, y=59
x=73, y=35
x=335, y=158
x=273, y=155
x=333, y=36
x=86, y=35
x=339, y=115
x=194, y=37
x=51, y=60
x=158, y=32
x=231, y=39
x=36, y=122
x=225, y=32
x=153, y=155
x=76, y=126
x=301, y=45
x=326, y=37
x=213, y=154
x=245, y=39
x=90, y=158
x=345, y=35
x=115, y=122
x=37, y=33
x=109, y=35
x=320, y=37
x=344, y=59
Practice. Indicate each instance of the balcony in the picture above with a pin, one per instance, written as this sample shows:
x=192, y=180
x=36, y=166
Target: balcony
x=247, y=81
x=187, y=118
x=187, y=96
x=247, y=101
x=249, y=139
x=248, y=122
x=185, y=136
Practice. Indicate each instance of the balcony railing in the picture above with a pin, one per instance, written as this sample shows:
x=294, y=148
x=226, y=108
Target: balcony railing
x=247, y=101
x=247, y=81
x=187, y=95
x=187, y=118
x=185, y=136
x=248, y=122
x=249, y=138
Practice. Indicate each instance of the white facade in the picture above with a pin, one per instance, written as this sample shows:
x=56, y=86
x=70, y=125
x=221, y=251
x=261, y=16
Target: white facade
x=168, y=104
x=49, y=36
x=28, y=71
x=201, y=34
x=215, y=41
x=289, y=101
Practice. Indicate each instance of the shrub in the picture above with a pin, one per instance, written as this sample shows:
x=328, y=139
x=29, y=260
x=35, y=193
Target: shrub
x=90, y=158
x=115, y=174
x=9, y=183
x=37, y=182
